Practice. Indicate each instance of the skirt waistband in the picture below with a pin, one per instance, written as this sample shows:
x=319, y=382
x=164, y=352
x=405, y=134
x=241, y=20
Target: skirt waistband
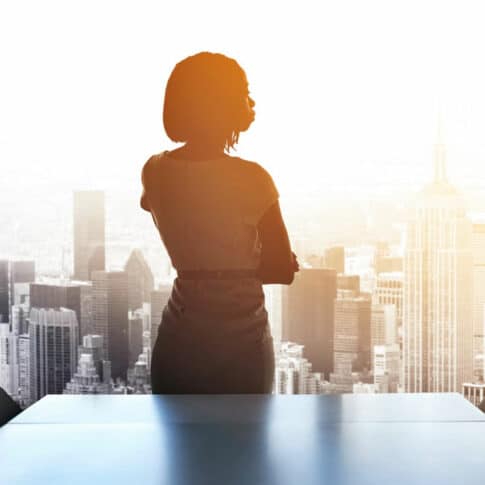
x=226, y=274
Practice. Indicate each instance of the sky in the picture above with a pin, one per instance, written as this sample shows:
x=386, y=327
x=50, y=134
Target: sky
x=348, y=93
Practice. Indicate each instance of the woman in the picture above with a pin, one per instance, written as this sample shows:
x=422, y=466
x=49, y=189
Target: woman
x=219, y=218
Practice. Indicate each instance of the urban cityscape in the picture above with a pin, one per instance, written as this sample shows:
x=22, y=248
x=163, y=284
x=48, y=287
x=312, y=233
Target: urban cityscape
x=412, y=319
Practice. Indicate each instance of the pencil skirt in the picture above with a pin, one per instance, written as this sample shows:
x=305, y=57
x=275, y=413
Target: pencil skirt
x=198, y=363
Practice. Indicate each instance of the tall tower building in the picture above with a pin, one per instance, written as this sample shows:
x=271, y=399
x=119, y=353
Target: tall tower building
x=93, y=375
x=389, y=291
x=308, y=315
x=140, y=280
x=5, y=357
x=335, y=259
x=438, y=289
x=53, y=350
x=352, y=340
x=67, y=294
x=89, y=233
x=293, y=372
x=478, y=255
x=24, y=370
x=383, y=325
x=22, y=273
x=349, y=282
x=135, y=335
x=273, y=296
x=4, y=292
x=158, y=299
x=110, y=316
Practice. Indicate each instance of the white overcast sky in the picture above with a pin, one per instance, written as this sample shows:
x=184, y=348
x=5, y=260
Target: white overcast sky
x=347, y=93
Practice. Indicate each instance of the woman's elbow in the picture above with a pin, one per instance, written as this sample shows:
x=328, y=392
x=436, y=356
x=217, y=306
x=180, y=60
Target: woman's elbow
x=290, y=276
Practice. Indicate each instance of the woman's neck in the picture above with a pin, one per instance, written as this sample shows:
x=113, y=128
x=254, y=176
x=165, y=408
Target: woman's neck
x=198, y=152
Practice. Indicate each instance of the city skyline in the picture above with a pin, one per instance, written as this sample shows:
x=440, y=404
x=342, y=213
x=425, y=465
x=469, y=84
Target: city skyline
x=389, y=295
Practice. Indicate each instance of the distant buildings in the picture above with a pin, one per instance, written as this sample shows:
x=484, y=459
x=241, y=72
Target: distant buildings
x=93, y=375
x=75, y=295
x=15, y=277
x=135, y=336
x=349, y=282
x=335, y=259
x=389, y=291
x=383, y=325
x=4, y=291
x=89, y=233
x=438, y=289
x=352, y=338
x=273, y=295
x=308, y=315
x=478, y=255
x=5, y=358
x=110, y=316
x=387, y=367
x=53, y=337
x=474, y=392
x=158, y=299
x=293, y=372
x=140, y=280
x=22, y=273
x=24, y=394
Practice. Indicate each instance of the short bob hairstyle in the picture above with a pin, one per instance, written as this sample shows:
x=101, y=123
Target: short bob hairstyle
x=206, y=100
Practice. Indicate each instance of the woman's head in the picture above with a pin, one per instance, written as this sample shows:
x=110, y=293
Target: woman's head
x=207, y=100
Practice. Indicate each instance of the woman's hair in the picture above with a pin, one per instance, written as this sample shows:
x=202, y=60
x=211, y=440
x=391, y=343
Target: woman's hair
x=206, y=99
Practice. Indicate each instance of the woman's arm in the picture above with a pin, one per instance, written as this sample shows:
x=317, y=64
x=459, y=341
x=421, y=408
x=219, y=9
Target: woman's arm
x=278, y=263
x=144, y=183
x=144, y=202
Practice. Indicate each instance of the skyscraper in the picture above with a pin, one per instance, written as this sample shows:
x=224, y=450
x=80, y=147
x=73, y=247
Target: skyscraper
x=4, y=291
x=383, y=325
x=89, y=233
x=273, y=296
x=349, y=282
x=478, y=254
x=308, y=315
x=110, y=316
x=437, y=316
x=389, y=291
x=93, y=375
x=386, y=365
x=335, y=259
x=135, y=336
x=352, y=341
x=5, y=357
x=140, y=280
x=158, y=300
x=21, y=274
x=53, y=350
x=24, y=370
x=64, y=293
x=293, y=372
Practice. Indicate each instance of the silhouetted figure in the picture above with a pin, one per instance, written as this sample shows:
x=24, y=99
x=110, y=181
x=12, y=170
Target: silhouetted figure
x=8, y=408
x=220, y=220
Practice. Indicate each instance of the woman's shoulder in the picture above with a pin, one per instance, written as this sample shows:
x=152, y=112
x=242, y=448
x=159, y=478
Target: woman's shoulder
x=242, y=166
x=252, y=168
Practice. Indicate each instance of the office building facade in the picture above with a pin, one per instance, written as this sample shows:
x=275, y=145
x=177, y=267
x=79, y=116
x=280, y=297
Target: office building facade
x=53, y=338
x=438, y=280
x=89, y=233
x=110, y=318
x=308, y=315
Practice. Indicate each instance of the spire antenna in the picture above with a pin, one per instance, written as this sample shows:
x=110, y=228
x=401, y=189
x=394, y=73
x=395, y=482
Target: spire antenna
x=439, y=154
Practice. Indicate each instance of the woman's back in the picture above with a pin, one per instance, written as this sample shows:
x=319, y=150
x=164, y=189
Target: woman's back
x=207, y=211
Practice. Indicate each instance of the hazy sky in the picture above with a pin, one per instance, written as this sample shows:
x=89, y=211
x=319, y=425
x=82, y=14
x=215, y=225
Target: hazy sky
x=347, y=93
